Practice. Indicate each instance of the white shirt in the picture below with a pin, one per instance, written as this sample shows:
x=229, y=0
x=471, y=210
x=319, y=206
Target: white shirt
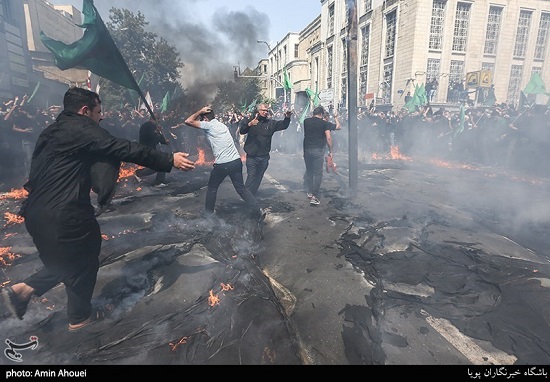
x=221, y=141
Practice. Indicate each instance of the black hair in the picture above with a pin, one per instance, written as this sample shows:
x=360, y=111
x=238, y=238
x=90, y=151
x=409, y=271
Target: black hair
x=209, y=115
x=319, y=110
x=75, y=98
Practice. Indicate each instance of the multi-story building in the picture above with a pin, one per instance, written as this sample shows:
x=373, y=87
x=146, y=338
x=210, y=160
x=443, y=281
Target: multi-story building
x=25, y=63
x=15, y=64
x=404, y=43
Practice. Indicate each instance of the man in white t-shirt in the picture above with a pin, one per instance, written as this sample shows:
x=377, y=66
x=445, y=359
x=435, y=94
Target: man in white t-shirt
x=227, y=161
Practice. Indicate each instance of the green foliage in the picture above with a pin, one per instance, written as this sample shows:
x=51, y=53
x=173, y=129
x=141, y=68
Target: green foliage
x=148, y=56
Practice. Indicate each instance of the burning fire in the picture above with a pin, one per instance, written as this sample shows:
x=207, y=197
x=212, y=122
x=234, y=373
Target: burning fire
x=213, y=299
x=174, y=346
x=395, y=154
x=13, y=219
x=127, y=170
x=201, y=160
x=7, y=257
x=15, y=194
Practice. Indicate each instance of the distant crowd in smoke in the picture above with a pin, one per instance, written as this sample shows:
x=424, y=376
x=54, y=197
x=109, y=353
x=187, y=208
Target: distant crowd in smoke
x=491, y=136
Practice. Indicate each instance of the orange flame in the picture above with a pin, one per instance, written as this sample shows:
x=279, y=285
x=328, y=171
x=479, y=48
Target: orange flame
x=127, y=170
x=201, y=160
x=13, y=219
x=104, y=237
x=226, y=287
x=7, y=257
x=15, y=194
x=213, y=299
x=174, y=346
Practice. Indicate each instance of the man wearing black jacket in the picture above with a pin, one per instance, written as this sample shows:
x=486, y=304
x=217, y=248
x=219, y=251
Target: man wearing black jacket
x=151, y=135
x=58, y=211
x=257, y=146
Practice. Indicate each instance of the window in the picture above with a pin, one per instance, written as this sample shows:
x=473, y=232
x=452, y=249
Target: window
x=343, y=89
x=386, y=84
x=391, y=29
x=536, y=70
x=493, y=30
x=329, y=67
x=542, y=36
x=364, y=64
x=456, y=72
x=514, y=84
x=432, y=70
x=331, y=20
x=522, y=33
x=368, y=5
x=436, y=24
x=296, y=51
x=489, y=66
x=462, y=21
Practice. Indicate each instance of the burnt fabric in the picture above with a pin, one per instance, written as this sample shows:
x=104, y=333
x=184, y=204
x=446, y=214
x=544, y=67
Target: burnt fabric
x=58, y=211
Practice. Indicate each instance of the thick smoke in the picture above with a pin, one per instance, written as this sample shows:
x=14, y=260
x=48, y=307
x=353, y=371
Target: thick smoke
x=209, y=46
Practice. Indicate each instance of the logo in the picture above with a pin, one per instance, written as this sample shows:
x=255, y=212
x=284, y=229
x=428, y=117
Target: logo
x=11, y=352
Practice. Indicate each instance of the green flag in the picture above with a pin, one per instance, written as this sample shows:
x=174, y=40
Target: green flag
x=304, y=114
x=95, y=51
x=523, y=101
x=461, y=120
x=491, y=98
x=313, y=96
x=286, y=81
x=34, y=92
x=252, y=106
x=165, y=103
x=535, y=85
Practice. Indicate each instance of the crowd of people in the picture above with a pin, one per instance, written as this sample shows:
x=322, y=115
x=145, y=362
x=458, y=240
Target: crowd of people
x=498, y=135
x=65, y=153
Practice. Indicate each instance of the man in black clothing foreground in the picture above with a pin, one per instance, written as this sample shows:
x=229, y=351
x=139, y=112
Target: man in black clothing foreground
x=58, y=212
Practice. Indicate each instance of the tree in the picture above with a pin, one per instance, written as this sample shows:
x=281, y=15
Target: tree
x=150, y=58
x=233, y=94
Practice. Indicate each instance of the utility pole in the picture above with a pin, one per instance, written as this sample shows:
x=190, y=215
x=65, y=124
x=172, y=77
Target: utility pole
x=352, y=96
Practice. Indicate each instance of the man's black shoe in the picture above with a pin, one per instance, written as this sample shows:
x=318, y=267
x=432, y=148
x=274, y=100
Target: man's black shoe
x=16, y=306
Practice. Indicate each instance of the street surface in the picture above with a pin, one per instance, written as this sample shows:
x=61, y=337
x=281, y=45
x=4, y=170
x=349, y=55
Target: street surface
x=429, y=263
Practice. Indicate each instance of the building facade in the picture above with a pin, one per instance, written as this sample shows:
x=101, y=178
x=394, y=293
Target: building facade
x=26, y=66
x=15, y=64
x=454, y=45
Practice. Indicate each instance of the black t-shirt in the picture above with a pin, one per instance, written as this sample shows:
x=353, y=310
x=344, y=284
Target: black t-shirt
x=314, y=132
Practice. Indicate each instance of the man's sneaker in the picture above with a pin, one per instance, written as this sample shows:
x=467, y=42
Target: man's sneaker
x=309, y=196
x=314, y=201
x=137, y=178
x=161, y=185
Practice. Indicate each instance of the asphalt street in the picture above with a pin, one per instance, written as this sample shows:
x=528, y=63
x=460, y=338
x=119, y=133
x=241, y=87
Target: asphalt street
x=426, y=263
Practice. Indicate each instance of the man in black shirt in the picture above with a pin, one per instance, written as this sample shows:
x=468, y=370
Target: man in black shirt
x=260, y=131
x=317, y=136
x=150, y=135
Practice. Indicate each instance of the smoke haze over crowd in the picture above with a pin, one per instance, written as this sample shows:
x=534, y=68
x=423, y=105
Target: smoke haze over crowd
x=213, y=36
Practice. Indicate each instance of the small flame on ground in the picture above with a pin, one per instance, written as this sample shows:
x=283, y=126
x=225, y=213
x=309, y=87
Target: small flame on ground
x=15, y=194
x=226, y=287
x=213, y=299
x=127, y=170
x=201, y=160
x=13, y=218
x=7, y=257
x=181, y=341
